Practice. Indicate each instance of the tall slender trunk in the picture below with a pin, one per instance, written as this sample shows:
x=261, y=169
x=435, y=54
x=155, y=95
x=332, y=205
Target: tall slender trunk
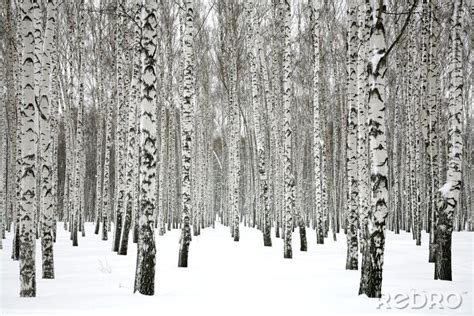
x=254, y=54
x=187, y=115
x=352, y=244
x=287, y=127
x=433, y=101
x=28, y=140
x=146, y=260
x=131, y=167
x=45, y=110
x=364, y=16
x=371, y=278
x=121, y=133
x=451, y=189
x=315, y=8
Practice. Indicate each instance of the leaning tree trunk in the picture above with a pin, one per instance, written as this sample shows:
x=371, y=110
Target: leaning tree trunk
x=371, y=278
x=145, y=272
x=254, y=43
x=450, y=190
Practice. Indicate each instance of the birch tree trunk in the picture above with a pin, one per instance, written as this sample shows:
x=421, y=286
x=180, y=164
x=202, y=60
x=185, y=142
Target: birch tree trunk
x=145, y=272
x=371, y=279
x=45, y=110
x=450, y=190
x=433, y=101
x=315, y=8
x=28, y=140
x=79, y=147
x=364, y=16
x=121, y=134
x=352, y=244
x=254, y=44
x=187, y=114
x=287, y=127
x=131, y=167
x=3, y=148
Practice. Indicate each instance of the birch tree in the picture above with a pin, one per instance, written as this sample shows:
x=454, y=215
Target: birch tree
x=45, y=111
x=287, y=127
x=364, y=16
x=132, y=128
x=371, y=278
x=352, y=245
x=145, y=273
x=187, y=130
x=450, y=190
x=28, y=139
x=254, y=44
x=315, y=7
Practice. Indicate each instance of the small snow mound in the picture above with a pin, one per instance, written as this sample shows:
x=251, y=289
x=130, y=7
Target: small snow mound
x=375, y=170
x=375, y=60
x=445, y=189
x=104, y=266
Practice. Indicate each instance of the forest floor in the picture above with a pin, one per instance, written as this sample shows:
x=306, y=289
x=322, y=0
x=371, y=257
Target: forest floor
x=238, y=278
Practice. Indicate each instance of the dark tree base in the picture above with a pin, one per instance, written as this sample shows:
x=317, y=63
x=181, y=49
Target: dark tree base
x=118, y=232
x=287, y=253
x=97, y=226
x=372, y=263
x=16, y=245
x=75, y=241
x=303, y=242
x=432, y=254
x=28, y=293
x=443, y=257
x=184, y=246
x=351, y=262
x=267, y=239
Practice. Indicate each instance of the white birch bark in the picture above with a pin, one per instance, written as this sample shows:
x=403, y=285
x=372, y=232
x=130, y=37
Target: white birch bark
x=187, y=113
x=315, y=8
x=258, y=119
x=364, y=15
x=3, y=147
x=352, y=244
x=121, y=134
x=433, y=101
x=451, y=189
x=145, y=272
x=45, y=110
x=79, y=139
x=372, y=273
x=131, y=167
x=287, y=127
x=28, y=140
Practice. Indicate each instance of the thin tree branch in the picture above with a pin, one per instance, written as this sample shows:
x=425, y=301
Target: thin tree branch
x=412, y=9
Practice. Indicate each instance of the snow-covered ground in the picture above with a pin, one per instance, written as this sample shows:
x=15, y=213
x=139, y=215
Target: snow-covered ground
x=244, y=278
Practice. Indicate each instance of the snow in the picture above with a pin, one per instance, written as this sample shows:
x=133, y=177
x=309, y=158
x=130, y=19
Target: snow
x=229, y=278
x=375, y=60
x=375, y=170
x=445, y=189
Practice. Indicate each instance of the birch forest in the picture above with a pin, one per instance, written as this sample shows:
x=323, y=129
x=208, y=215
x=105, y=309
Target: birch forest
x=275, y=155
